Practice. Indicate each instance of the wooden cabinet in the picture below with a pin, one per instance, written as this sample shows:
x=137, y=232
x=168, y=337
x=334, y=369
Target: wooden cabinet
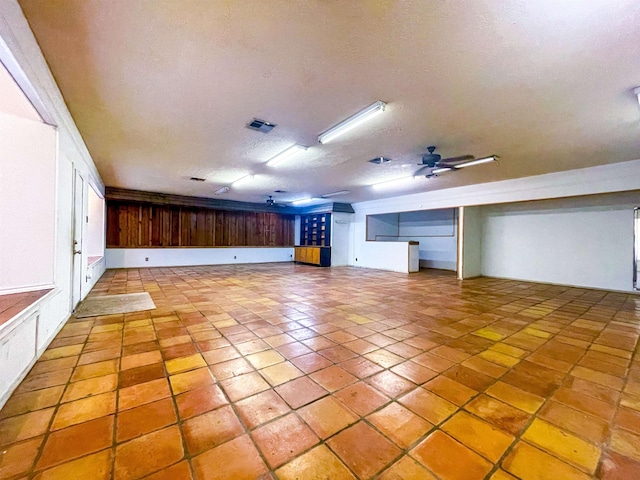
x=320, y=256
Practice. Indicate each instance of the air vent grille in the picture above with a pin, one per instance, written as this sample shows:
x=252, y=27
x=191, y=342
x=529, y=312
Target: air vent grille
x=197, y=179
x=261, y=125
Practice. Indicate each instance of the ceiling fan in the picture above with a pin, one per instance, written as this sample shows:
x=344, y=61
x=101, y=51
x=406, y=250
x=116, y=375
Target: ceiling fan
x=272, y=203
x=434, y=164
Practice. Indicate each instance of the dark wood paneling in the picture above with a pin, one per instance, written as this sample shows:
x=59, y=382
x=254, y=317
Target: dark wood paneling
x=135, y=224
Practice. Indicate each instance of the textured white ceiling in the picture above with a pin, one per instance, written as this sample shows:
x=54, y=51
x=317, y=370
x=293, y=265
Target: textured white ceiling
x=161, y=90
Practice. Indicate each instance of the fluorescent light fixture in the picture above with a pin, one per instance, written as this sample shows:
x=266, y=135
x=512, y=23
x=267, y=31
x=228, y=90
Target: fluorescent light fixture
x=352, y=122
x=302, y=201
x=436, y=171
x=242, y=180
x=287, y=153
x=478, y=161
x=335, y=194
x=636, y=91
x=221, y=190
x=393, y=183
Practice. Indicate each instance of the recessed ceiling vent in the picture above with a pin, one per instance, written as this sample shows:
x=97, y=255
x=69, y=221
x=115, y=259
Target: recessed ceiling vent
x=197, y=179
x=279, y=191
x=260, y=125
x=380, y=160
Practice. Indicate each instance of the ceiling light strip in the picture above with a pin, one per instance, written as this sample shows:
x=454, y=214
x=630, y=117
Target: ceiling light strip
x=478, y=161
x=352, y=122
x=335, y=194
x=285, y=154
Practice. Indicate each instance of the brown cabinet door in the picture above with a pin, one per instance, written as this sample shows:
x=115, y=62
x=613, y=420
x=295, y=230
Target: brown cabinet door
x=315, y=256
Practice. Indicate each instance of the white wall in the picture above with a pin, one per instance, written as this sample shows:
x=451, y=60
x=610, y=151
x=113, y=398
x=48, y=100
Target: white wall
x=27, y=202
x=471, y=219
x=583, y=241
x=383, y=228
x=341, y=224
x=48, y=183
x=96, y=224
x=393, y=256
x=174, y=257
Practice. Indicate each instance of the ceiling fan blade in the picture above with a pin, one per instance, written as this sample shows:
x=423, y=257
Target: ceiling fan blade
x=453, y=160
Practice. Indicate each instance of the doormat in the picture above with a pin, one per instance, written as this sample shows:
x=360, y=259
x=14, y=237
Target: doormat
x=112, y=304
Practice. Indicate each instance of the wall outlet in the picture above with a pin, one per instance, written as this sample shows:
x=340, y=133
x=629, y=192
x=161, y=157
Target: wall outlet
x=234, y=257
x=356, y=259
x=146, y=259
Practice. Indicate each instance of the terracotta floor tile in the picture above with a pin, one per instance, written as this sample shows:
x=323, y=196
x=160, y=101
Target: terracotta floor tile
x=311, y=362
x=327, y=416
x=592, y=429
x=617, y=467
x=529, y=463
x=182, y=364
x=183, y=382
x=90, y=387
x=139, y=375
x=76, y=441
x=451, y=390
x=449, y=459
x=566, y=356
x=384, y=358
x=244, y=386
x=265, y=359
x=317, y=464
x=469, y=377
x=333, y=378
x=179, y=471
x=231, y=368
x=261, y=408
x=363, y=449
x=414, y=372
x=429, y=406
x=31, y=401
x=95, y=370
x=399, y=424
x=391, y=384
x=236, y=459
x=280, y=373
x=140, y=360
x=18, y=458
x=200, y=400
x=284, y=439
x=361, y=398
x=53, y=365
x=628, y=420
x=145, y=419
x=95, y=467
x=221, y=355
x=515, y=397
x=406, y=469
x=211, y=429
x=143, y=393
x=84, y=410
x=300, y=392
x=484, y=438
x=161, y=449
x=626, y=443
x=562, y=444
x=503, y=416
x=584, y=403
x=44, y=380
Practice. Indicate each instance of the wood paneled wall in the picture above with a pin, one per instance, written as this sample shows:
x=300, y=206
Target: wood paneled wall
x=132, y=224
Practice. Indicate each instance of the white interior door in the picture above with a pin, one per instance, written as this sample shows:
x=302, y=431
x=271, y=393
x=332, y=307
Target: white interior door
x=78, y=217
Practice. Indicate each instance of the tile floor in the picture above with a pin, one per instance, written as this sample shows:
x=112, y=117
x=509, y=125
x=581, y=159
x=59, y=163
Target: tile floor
x=297, y=372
